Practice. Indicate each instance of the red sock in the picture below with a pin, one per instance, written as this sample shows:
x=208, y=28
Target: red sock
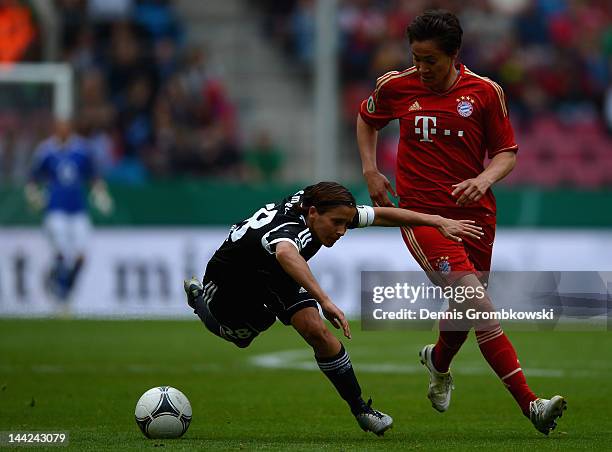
x=501, y=356
x=449, y=342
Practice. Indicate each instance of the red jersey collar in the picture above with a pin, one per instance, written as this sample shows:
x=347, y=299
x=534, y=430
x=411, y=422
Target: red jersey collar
x=455, y=83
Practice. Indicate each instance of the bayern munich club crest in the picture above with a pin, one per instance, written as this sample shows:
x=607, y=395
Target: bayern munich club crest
x=465, y=106
x=443, y=265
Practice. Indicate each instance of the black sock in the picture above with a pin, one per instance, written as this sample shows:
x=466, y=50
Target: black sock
x=74, y=272
x=340, y=372
x=211, y=324
x=201, y=308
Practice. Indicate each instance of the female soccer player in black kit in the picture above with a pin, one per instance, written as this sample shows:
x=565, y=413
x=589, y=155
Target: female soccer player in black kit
x=260, y=274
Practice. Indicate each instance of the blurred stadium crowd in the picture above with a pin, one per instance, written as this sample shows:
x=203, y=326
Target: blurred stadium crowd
x=553, y=58
x=145, y=100
x=147, y=97
x=151, y=108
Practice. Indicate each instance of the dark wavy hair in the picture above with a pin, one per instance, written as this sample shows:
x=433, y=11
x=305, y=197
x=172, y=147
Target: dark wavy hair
x=437, y=25
x=325, y=196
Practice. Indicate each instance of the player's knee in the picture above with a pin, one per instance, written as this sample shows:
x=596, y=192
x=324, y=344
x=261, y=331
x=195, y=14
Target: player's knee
x=317, y=334
x=241, y=338
x=242, y=343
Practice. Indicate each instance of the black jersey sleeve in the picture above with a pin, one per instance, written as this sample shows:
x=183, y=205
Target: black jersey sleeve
x=295, y=233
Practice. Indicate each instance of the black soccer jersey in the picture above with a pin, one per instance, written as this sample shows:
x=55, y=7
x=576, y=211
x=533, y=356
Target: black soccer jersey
x=249, y=250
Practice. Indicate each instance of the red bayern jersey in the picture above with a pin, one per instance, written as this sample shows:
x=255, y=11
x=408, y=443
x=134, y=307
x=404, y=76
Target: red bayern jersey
x=444, y=137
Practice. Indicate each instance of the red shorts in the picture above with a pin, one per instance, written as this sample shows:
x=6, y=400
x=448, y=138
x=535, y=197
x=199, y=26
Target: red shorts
x=437, y=254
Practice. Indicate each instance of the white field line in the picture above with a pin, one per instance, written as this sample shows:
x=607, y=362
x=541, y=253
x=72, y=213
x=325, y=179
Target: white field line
x=198, y=368
x=303, y=360
x=297, y=359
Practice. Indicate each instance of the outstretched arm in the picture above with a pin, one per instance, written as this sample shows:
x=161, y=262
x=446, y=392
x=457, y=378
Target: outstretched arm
x=296, y=266
x=452, y=229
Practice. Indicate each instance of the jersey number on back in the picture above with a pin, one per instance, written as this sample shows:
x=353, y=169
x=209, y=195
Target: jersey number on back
x=261, y=218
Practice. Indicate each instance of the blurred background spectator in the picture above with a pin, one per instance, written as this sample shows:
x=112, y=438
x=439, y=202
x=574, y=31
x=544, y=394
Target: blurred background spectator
x=18, y=32
x=264, y=159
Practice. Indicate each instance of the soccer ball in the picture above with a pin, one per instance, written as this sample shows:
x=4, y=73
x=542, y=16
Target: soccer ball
x=163, y=412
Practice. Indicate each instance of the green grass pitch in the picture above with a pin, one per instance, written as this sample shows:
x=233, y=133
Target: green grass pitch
x=86, y=376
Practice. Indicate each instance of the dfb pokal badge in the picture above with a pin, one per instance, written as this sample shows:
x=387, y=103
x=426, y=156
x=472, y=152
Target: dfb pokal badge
x=371, y=106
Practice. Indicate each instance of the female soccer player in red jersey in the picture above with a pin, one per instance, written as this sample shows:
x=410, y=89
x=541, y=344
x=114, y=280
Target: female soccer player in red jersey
x=450, y=120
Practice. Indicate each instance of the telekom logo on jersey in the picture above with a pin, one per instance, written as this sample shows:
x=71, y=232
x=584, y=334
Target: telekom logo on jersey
x=427, y=131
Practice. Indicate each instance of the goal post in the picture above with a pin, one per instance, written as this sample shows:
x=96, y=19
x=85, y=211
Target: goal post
x=59, y=75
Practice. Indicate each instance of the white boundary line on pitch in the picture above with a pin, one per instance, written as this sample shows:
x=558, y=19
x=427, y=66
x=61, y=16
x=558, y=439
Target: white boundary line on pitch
x=295, y=359
x=104, y=370
x=302, y=359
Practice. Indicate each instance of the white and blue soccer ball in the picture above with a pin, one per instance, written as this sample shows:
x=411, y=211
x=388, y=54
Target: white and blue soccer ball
x=163, y=412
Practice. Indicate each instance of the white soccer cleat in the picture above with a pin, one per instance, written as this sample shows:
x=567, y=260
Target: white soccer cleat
x=371, y=420
x=440, y=384
x=544, y=413
x=193, y=289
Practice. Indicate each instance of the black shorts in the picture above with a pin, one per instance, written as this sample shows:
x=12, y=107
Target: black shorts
x=247, y=307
